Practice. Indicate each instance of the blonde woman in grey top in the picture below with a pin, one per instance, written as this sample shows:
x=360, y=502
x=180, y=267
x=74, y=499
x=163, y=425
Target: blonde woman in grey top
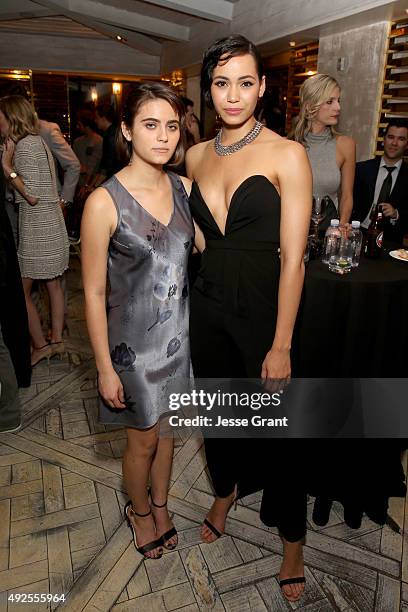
x=332, y=156
x=43, y=248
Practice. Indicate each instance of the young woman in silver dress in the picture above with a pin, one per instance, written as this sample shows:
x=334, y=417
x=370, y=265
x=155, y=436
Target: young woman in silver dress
x=138, y=227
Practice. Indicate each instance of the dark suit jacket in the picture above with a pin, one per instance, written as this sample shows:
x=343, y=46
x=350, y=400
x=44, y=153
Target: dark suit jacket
x=364, y=187
x=13, y=313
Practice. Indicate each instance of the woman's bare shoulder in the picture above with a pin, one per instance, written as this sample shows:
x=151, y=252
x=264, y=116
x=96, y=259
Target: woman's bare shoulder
x=280, y=148
x=346, y=143
x=196, y=152
x=100, y=200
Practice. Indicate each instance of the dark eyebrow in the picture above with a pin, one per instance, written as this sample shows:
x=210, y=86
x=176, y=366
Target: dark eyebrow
x=247, y=76
x=158, y=120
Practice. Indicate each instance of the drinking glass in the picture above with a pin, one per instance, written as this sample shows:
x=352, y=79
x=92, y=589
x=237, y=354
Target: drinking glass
x=341, y=263
x=318, y=211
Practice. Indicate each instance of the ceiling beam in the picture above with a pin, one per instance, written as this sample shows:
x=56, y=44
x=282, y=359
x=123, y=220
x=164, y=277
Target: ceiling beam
x=80, y=55
x=214, y=10
x=128, y=37
x=37, y=12
x=124, y=18
x=137, y=41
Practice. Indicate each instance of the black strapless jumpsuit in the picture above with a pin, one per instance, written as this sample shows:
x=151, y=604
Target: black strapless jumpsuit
x=232, y=326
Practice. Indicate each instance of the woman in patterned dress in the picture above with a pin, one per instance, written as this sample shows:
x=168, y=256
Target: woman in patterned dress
x=43, y=248
x=138, y=226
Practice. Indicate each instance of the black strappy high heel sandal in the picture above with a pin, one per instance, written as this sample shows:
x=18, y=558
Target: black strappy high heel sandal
x=168, y=534
x=297, y=580
x=212, y=527
x=150, y=545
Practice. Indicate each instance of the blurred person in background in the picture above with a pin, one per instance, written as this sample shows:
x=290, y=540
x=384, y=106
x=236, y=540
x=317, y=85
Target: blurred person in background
x=67, y=163
x=87, y=147
x=384, y=180
x=332, y=156
x=64, y=157
x=43, y=248
x=193, y=132
x=106, y=122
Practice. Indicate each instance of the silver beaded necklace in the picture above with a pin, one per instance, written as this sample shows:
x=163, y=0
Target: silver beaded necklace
x=236, y=146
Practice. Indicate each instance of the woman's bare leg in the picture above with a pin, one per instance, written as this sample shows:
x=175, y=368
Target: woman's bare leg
x=137, y=460
x=57, y=308
x=292, y=567
x=37, y=337
x=160, y=477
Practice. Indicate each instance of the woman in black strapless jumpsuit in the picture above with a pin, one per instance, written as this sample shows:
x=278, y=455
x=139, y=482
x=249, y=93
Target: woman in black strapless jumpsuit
x=232, y=326
x=236, y=331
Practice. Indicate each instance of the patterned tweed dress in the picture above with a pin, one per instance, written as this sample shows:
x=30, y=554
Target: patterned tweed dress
x=43, y=248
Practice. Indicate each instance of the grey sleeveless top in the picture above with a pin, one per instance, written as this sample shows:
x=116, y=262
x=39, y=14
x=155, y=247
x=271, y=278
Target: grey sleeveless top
x=148, y=305
x=321, y=150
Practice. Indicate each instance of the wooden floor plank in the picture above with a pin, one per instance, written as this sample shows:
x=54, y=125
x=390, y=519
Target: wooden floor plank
x=48, y=398
x=109, y=508
x=54, y=519
x=91, y=579
x=59, y=561
x=4, y=533
x=53, y=492
x=387, y=598
x=114, y=583
x=19, y=576
x=66, y=457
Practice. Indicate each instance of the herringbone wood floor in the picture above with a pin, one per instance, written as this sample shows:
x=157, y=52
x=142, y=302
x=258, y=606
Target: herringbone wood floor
x=61, y=528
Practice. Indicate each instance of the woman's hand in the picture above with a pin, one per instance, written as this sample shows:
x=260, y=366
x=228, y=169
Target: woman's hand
x=8, y=155
x=111, y=389
x=32, y=200
x=276, y=369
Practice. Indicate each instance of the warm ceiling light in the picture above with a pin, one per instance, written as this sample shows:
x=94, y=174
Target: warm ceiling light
x=292, y=43
x=116, y=88
x=118, y=37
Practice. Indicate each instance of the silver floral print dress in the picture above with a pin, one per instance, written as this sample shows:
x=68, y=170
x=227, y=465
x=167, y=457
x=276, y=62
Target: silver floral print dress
x=148, y=304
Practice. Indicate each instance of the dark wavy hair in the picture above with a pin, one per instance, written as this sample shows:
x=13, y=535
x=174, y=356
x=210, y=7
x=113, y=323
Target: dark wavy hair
x=138, y=95
x=225, y=48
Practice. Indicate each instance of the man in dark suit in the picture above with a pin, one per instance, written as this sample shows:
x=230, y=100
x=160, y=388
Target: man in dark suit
x=385, y=181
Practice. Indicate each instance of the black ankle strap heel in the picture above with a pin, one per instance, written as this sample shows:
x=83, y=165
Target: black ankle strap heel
x=171, y=532
x=150, y=545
